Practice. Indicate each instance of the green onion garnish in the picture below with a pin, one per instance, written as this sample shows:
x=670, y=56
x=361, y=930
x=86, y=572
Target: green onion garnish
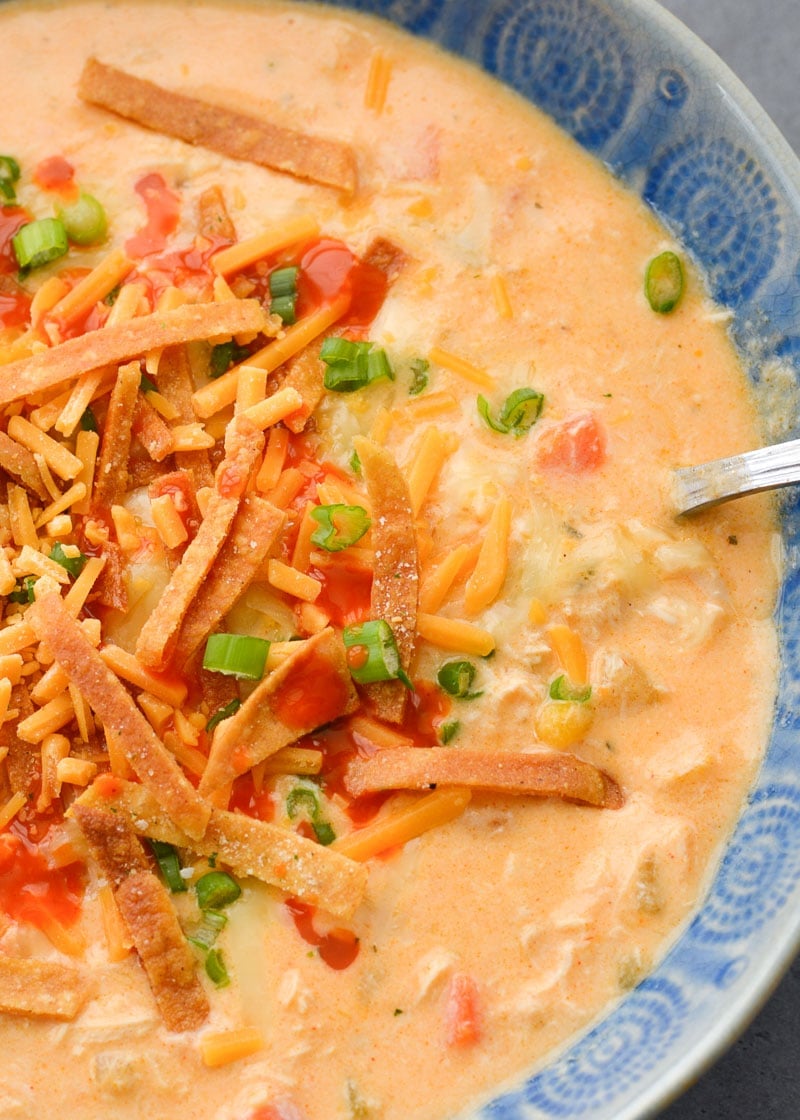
x=223, y=713
x=283, y=290
x=146, y=385
x=448, y=731
x=84, y=220
x=205, y=934
x=88, y=421
x=372, y=653
x=305, y=800
x=216, y=889
x=216, y=970
x=236, y=655
x=38, y=243
x=353, y=365
x=286, y=308
x=169, y=865
x=456, y=677
x=24, y=591
x=519, y=413
x=419, y=376
x=339, y=526
x=73, y=564
x=224, y=356
x=561, y=689
x=663, y=282
x=9, y=176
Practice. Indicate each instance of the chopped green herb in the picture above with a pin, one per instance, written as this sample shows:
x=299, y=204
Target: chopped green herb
x=88, y=421
x=340, y=526
x=372, y=653
x=216, y=970
x=663, y=282
x=146, y=385
x=355, y=463
x=24, y=591
x=112, y=297
x=236, y=655
x=224, y=356
x=456, y=677
x=40, y=242
x=419, y=376
x=169, y=865
x=73, y=564
x=519, y=413
x=448, y=731
x=223, y=713
x=205, y=934
x=216, y=889
x=561, y=689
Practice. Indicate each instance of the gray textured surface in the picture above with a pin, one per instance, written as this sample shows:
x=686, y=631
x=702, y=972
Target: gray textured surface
x=759, y=1078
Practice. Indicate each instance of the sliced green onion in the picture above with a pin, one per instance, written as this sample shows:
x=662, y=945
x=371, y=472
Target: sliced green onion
x=146, y=385
x=38, y=243
x=663, y=282
x=339, y=526
x=561, y=689
x=372, y=653
x=283, y=281
x=355, y=463
x=73, y=564
x=224, y=713
x=286, y=308
x=448, y=731
x=216, y=970
x=519, y=413
x=456, y=678
x=169, y=865
x=9, y=176
x=204, y=935
x=24, y=591
x=84, y=220
x=419, y=376
x=88, y=421
x=216, y=889
x=236, y=655
x=305, y=800
x=353, y=365
x=224, y=356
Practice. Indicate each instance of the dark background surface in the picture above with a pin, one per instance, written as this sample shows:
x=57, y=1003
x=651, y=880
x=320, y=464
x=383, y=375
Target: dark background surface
x=759, y=1078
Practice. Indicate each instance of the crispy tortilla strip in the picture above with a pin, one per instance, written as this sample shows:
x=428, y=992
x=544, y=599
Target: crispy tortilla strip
x=23, y=765
x=277, y=856
x=395, y=582
x=311, y=687
x=115, y=708
x=116, y=344
x=42, y=988
x=306, y=374
x=151, y=431
x=111, y=472
x=254, y=531
x=158, y=636
x=19, y=462
x=175, y=383
x=386, y=256
x=543, y=774
x=233, y=134
x=213, y=219
x=146, y=908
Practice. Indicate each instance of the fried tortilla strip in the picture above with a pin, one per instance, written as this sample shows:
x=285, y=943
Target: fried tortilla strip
x=116, y=344
x=158, y=636
x=395, y=581
x=154, y=435
x=175, y=383
x=254, y=531
x=231, y=133
x=111, y=472
x=42, y=988
x=311, y=687
x=543, y=774
x=147, y=910
x=115, y=708
x=383, y=254
x=277, y=856
x=19, y=462
x=306, y=374
x=213, y=219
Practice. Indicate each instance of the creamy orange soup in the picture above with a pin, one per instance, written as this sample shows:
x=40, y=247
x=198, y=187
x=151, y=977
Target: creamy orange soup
x=552, y=629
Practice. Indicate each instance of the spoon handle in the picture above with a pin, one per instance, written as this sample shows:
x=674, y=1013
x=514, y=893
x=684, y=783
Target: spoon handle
x=696, y=488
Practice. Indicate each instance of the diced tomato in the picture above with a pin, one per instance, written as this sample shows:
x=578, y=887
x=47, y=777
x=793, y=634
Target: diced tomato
x=462, y=1018
x=575, y=446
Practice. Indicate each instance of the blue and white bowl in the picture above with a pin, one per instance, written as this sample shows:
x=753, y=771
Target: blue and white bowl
x=645, y=96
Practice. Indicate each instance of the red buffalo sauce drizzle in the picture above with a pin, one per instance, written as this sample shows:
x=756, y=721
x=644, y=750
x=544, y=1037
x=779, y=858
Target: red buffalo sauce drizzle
x=338, y=947
x=33, y=891
x=312, y=694
x=163, y=208
x=55, y=174
x=15, y=304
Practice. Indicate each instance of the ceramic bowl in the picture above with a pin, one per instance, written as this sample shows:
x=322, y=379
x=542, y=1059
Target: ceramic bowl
x=638, y=90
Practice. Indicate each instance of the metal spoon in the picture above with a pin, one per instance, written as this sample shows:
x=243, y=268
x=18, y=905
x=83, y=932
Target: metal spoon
x=696, y=488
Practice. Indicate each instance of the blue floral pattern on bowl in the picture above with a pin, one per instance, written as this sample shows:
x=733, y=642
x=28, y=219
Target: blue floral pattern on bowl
x=635, y=88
